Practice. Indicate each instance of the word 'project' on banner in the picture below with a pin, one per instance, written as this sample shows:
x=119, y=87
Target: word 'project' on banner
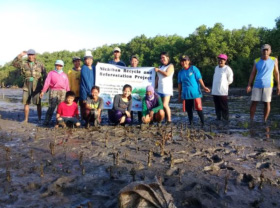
x=111, y=79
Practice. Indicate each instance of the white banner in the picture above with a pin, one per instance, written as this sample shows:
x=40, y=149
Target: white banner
x=111, y=79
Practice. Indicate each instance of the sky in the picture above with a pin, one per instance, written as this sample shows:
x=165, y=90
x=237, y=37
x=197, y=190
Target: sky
x=55, y=25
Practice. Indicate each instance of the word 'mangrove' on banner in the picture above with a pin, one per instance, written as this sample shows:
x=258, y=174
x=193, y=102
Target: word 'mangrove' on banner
x=111, y=79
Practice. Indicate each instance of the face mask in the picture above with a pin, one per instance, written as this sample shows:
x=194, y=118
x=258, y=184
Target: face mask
x=58, y=71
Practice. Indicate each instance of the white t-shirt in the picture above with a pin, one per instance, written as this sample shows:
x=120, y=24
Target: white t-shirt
x=222, y=78
x=165, y=84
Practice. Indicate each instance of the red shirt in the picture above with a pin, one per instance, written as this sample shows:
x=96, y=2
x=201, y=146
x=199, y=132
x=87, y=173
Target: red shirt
x=65, y=110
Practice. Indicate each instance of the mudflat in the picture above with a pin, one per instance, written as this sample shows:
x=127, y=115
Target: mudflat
x=219, y=165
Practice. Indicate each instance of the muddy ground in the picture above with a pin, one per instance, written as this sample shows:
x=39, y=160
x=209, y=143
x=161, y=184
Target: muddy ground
x=220, y=165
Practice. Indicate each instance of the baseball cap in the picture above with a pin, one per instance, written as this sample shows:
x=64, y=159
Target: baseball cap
x=134, y=56
x=31, y=52
x=266, y=46
x=223, y=56
x=117, y=49
x=184, y=58
x=76, y=58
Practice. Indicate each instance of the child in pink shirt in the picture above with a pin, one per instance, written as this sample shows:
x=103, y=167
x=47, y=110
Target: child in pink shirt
x=67, y=111
x=58, y=84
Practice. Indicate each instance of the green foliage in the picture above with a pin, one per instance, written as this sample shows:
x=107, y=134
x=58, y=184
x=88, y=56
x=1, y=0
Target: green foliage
x=203, y=46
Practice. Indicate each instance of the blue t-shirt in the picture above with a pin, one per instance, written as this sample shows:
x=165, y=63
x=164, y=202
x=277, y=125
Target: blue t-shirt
x=264, y=76
x=189, y=79
x=120, y=63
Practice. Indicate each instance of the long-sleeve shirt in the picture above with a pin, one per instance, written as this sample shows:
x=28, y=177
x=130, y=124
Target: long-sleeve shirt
x=34, y=70
x=222, y=78
x=87, y=82
x=155, y=109
x=120, y=105
x=56, y=81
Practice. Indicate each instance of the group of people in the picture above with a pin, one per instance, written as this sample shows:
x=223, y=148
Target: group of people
x=77, y=87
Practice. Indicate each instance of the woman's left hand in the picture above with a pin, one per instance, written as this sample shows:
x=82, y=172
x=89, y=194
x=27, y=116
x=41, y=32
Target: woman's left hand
x=156, y=69
x=206, y=89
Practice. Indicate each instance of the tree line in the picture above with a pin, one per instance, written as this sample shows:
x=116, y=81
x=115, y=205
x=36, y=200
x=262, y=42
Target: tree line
x=202, y=46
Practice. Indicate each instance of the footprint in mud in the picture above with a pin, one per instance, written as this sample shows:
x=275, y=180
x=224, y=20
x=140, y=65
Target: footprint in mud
x=192, y=202
x=202, y=189
x=265, y=165
x=216, y=158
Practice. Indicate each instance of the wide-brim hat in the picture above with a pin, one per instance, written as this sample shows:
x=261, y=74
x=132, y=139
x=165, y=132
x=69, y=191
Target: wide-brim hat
x=59, y=62
x=88, y=54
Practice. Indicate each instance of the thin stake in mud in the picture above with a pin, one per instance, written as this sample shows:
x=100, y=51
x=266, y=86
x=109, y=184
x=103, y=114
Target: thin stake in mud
x=162, y=146
x=83, y=170
x=171, y=161
x=171, y=135
x=8, y=151
x=180, y=175
x=52, y=148
x=226, y=182
x=41, y=170
x=188, y=133
x=8, y=175
x=116, y=158
x=150, y=158
x=106, y=139
x=133, y=173
x=81, y=158
x=37, y=133
x=31, y=154
x=262, y=180
x=111, y=171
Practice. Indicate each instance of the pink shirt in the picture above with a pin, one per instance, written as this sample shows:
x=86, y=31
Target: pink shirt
x=56, y=81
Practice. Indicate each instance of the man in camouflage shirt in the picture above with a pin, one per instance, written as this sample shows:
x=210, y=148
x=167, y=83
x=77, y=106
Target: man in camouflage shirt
x=34, y=74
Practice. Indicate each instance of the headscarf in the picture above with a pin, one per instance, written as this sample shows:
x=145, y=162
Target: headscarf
x=58, y=71
x=152, y=100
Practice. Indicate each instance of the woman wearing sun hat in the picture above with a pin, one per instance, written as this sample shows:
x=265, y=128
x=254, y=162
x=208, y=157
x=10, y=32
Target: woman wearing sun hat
x=58, y=84
x=222, y=78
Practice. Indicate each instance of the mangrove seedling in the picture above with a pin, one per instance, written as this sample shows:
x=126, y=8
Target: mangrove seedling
x=133, y=173
x=261, y=181
x=41, y=170
x=81, y=158
x=8, y=176
x=52, y=148
x=171, y=160
x=150, y=158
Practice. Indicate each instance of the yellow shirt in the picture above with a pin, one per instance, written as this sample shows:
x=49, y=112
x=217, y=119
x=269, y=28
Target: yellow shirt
x=74, y=81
